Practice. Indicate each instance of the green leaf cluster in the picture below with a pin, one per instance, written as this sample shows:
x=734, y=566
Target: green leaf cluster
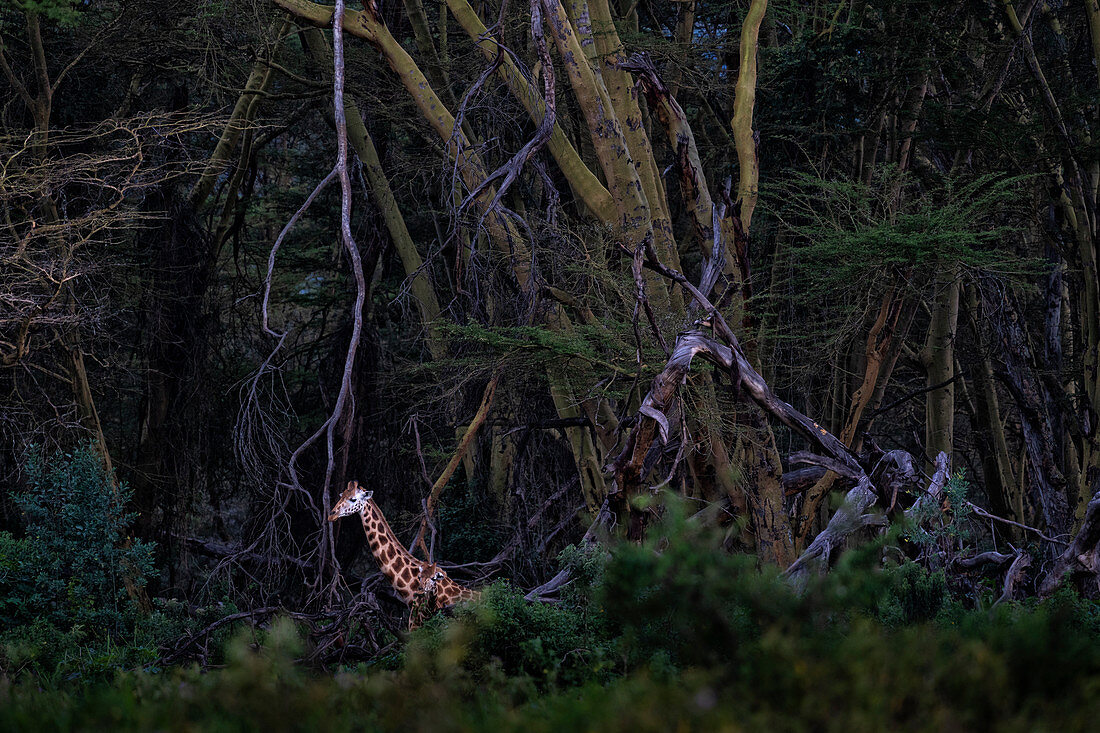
x=849, y=233
x=63, y=584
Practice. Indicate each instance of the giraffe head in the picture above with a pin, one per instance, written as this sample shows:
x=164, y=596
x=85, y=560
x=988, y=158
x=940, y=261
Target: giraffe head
x=352, y=501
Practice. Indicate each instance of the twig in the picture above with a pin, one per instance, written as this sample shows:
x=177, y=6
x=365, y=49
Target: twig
x=983, y=513
x=178, y=651
x=641, y=300
x=510, y=170
x=420, y=451
x=911, y=395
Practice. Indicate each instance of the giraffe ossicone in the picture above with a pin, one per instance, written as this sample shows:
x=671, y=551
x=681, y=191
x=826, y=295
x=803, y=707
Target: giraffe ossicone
x=423, y=586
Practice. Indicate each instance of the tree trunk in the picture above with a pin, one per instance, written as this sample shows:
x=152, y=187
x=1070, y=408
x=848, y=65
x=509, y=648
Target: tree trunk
x=999, y=482
x=939, y=361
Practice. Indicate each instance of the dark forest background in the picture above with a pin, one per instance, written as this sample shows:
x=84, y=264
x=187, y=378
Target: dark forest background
x=746, y=288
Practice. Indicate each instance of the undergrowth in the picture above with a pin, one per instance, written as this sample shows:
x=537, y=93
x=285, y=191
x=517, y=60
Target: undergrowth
x=673, y=633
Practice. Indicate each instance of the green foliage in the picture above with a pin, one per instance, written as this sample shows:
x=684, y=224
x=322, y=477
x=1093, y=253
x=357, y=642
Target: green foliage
x=947, y=523
x=604, y=347
x=505, y=637
x=821, y=661
x=62, y=12
x=671, y=601
x=851, y=230
x=63, y=585
x=913, y=596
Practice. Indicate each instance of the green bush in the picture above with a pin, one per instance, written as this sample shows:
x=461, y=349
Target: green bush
x=1020, y=669
x=671, y=634
x=502, y=636
x=913, y=595
x=63, y=585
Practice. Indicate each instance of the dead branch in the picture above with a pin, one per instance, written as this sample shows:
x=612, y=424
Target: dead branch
x=452, y=465
x=731, y=357
x=847, y=519
x=994, y=518
x=1015, y=572
x=823, y=462
x=177, y=652
x=212, y=548
x=893, y=469
x=984, y=558
x=603, y=519
x=511, y=170
x=931, y=497
x=795, y=481
x=1083, y=553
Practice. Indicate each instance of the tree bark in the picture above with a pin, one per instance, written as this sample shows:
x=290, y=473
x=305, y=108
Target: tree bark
x=743, y=103
x=1082, y=556
x=939, y=361
x=1045, y=480
x=996, y=461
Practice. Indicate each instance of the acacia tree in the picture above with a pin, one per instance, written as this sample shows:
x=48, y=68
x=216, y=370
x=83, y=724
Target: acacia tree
x=633, y=204
x=547, y=240
x=613, y=176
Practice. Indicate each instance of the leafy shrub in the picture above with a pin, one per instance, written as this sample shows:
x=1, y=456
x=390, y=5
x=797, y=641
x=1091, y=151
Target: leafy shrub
x=678, y=600
x=504, y=635
x=913, y=595
x=673, y=634
x=63, y=584
x=1021, y=669
x=944, y=526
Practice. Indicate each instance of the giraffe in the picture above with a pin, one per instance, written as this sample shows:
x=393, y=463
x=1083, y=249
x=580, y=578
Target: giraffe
x=424, y=586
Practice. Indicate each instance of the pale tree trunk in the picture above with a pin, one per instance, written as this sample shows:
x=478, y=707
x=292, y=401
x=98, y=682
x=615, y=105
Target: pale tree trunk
x=938, y=358
x=765, y=495
x=607, y=55
x=582, y=180
x=258, y=80
x=634, y=215
x=743, y=103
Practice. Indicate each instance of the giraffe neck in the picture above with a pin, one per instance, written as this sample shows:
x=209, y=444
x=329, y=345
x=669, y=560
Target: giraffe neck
x=395, y=561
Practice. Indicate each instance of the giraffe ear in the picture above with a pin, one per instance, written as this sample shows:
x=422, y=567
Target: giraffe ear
x=368, y=495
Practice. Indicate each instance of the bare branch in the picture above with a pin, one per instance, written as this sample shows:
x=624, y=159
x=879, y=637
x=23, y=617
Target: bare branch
x=1015, y=571
x=452, y=465
x=11, y=77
